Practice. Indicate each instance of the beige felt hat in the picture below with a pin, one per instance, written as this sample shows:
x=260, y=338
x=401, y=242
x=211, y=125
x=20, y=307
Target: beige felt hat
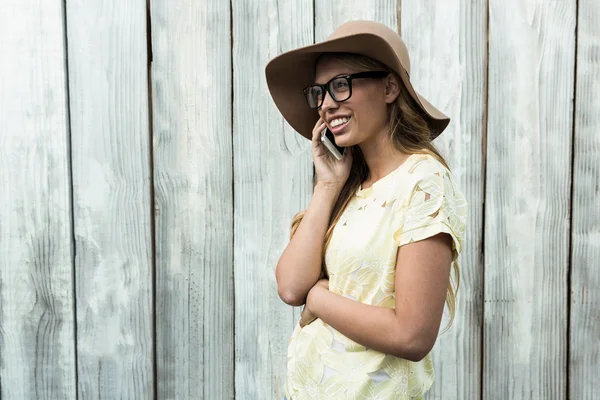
x=289, y=73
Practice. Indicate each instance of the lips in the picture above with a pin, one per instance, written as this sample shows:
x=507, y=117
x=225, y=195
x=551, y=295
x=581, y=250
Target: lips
x=339, y=128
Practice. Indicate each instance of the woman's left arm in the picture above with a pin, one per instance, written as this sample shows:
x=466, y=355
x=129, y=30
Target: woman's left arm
x=410, y=330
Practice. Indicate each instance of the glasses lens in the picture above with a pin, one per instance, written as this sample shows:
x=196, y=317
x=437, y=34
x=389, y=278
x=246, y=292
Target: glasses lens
x=314, y=96
x=340, y=88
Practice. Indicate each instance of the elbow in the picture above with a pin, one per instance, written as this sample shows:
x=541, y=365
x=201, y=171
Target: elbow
x=417, y=355
x=414, y=347
x=288, y=292
x=291, y=298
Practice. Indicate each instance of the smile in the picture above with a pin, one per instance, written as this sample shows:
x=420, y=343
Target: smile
x=338, y=124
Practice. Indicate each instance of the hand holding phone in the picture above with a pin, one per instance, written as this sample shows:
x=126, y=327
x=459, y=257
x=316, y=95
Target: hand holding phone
x=332, y=171
x=329, y=142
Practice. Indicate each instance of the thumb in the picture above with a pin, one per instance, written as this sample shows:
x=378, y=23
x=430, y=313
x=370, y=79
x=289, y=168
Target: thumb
x=347, y=155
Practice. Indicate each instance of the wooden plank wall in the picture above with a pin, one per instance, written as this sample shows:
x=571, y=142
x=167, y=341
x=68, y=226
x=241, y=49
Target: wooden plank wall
x=272, y=181
x=37, y=343
x=147, y=185
x=584, y=336
x=111, y=166
x=191, y=93
x=448, y=68
x=527, y=201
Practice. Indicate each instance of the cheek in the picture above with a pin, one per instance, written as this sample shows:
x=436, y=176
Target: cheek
x=368, y=102
x=368, y=113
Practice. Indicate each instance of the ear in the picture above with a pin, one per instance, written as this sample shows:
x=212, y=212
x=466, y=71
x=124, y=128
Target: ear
x=392, y=88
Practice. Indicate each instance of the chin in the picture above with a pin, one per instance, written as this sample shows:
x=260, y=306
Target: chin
x=343, y=140
x=346, y=142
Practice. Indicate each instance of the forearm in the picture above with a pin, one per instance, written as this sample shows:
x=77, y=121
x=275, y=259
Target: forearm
x=377, y=328
x=299, y=266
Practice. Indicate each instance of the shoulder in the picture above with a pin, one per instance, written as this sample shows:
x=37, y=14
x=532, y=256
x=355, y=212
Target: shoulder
x=421, y=171
x=433, y=203
x=425, y=166
x=431, y=187
x=419, y=174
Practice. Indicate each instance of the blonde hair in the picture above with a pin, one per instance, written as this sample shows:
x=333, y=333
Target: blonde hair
x=409, y=133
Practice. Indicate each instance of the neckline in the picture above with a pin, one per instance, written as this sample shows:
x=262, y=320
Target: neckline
x=368, y=191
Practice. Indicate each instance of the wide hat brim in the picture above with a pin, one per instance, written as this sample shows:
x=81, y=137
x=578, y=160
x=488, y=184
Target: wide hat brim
x=289, y=73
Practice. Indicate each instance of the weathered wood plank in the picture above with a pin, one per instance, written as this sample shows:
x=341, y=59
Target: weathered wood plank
x=447, y=45
x=330, y=14
x=531, y=58
x=37, y=345
x=585, y=276
x=191, y=84
x=272, y=181
x=112, y=196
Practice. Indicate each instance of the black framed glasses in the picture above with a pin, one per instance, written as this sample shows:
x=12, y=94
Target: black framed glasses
x=339, y=87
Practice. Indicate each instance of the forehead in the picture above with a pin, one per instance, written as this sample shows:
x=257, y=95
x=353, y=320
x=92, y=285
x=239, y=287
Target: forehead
x=328, y=68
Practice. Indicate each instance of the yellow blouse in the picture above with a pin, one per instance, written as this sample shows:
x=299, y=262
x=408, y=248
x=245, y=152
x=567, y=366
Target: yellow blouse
x=416, y=201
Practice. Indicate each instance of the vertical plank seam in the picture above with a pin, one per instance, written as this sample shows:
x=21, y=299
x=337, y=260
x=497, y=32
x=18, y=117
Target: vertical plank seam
x=233, y=314
x=314, y=21
x=149, y=58
x=571, y=201
x=486, y=96
x=399, y=17
x=72, y=208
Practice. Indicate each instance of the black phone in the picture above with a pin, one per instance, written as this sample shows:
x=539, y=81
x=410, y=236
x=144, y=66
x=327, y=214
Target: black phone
x=329, y=141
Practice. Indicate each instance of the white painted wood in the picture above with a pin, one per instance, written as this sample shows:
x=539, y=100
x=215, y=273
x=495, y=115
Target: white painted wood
x=272, y=182
x=447, y=46
x=112, y=191
x=531, y=59
x=191, y=84
x=37, y=345
x=584, y=372
x=330, y=14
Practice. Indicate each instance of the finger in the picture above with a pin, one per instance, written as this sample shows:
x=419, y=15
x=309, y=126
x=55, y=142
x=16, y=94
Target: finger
x=319, y=122
x=303, y=317
x=309, y=317
x=347, y=153
x=319, y=128
x=306, y=317
x=306, y=321
x=316, y=138
x=347, y=157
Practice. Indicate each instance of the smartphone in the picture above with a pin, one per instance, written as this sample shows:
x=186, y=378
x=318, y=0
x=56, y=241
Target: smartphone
x=329, y=142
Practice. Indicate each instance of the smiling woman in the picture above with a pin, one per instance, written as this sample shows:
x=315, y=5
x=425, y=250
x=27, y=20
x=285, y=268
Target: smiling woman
x=371, y=256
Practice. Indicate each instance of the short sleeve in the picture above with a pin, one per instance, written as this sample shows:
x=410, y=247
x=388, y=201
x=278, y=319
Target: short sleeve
x=434, y=206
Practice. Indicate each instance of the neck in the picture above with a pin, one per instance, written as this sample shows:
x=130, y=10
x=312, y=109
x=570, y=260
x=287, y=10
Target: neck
x=381, y=157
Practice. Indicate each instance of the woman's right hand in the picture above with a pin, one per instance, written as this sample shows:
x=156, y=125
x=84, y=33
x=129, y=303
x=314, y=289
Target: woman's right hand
x=330, y=171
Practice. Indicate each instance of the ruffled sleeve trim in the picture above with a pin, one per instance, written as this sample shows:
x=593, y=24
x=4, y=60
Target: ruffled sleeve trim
x=434, y=206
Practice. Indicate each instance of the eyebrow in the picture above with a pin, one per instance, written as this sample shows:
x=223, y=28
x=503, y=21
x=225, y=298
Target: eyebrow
x=337, y=76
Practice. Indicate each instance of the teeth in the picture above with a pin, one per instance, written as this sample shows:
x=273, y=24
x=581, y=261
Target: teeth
x=339, y=121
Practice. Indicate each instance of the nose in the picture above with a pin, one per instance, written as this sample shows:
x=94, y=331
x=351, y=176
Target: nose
x=328, y=102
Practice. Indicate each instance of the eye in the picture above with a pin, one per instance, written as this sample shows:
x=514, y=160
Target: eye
x=314, y=95
x=314, y=90
x=340, y=84
x=317, y=91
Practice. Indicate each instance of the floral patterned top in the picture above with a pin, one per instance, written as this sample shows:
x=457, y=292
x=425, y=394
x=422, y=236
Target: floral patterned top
x=416, y=201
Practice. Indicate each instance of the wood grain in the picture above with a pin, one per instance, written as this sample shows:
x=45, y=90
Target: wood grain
x=229, y=174
x=272, y=182
x=191, y=84
x=531, y=58
x=447, y=46
x=112, y=196
x=585, y=247
x=37, y=345
x=330, y=14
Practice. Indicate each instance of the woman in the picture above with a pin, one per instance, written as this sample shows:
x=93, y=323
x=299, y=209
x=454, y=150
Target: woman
x=371, y=256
